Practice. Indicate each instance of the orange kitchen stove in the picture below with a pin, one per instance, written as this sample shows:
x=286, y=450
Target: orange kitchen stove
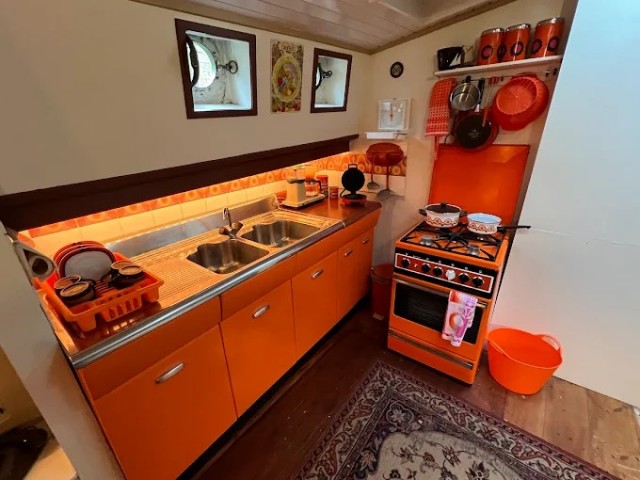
x=428, y=264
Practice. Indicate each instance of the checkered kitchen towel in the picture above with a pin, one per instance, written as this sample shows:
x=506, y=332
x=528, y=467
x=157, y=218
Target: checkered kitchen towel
x=439, y=111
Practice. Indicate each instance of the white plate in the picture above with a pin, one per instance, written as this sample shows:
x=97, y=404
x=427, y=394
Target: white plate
x=93, y=264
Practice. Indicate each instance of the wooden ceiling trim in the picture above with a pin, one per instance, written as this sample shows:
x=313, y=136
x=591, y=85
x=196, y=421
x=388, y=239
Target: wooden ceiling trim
x=186, y=6
x=445, y=22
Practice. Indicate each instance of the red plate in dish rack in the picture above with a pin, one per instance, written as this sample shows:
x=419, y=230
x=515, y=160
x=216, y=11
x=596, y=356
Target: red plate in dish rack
x=110, y=303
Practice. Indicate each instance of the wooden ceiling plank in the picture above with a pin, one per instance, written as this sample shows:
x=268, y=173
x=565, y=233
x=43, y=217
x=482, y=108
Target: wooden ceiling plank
x=270, y=16
x=345, y=10
x=315, y=13
x=386, y=14
x=445, y=22
x=285, y=15
x=224, y=15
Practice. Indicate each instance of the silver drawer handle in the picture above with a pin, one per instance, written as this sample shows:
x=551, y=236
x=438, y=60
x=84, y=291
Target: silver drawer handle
x=170, y=373
x=346, y=254
x=365, y=241
x=261, y=311
x=317, y=274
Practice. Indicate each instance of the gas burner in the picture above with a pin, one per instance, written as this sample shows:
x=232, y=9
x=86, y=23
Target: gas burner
x=456, y=239
x=426, y=241
x=473, y=250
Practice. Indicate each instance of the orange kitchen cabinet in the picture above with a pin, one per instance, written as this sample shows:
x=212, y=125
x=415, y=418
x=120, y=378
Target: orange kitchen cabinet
x=259, y=341
x=161, y=420
x=315, y=302
x=354, y=263
x=107, y=373
x=235, y=299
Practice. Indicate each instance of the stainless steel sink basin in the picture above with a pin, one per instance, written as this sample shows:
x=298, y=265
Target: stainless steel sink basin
x=279, y=233
x=227, y=256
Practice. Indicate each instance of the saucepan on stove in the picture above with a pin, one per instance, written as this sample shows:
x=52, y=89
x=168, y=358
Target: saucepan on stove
x=442, y=215
x=487, y=224
x=446, y=215
x=483, y=223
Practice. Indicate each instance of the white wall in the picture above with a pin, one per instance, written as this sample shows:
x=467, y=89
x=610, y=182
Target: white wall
x=418, y=57
x=14, y=398
x=92, y=89
x=575, y=274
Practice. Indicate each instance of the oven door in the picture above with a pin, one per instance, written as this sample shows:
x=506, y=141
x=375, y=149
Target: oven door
x=420, y=311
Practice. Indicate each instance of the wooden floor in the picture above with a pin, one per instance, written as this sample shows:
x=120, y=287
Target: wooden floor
x=275, y=443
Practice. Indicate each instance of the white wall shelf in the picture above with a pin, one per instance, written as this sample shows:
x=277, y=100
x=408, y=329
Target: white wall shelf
x=380, y=135
x=528, y=64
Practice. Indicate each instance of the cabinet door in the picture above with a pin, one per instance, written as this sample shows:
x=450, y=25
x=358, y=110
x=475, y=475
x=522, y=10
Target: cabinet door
x=260, y=344
x=365, y=252
x=353, y=269
x=315, y=302
x=162, y=419
x=111, y=371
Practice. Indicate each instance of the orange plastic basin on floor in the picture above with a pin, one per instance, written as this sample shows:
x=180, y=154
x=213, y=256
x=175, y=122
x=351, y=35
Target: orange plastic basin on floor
x=521, y=361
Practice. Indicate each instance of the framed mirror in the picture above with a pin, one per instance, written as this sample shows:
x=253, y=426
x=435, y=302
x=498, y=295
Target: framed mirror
x=218, y=69
x=330, y=88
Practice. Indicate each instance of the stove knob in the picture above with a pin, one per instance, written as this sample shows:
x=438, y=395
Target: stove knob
x=426, y=267
x=437, y=271
x=405, y=262
x=477, y=281
x=451, y=275
x=464, y=278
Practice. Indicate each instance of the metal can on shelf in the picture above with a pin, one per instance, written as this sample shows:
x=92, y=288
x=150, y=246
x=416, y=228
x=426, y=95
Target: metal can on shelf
x=547, y=37
x=516, y=40
x=491, y=48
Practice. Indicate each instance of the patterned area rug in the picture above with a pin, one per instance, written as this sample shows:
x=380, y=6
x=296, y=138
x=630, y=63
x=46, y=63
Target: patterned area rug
x=398, y=427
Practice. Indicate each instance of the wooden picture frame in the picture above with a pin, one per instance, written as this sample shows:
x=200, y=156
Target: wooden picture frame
x=182, y=26
x=320, y=52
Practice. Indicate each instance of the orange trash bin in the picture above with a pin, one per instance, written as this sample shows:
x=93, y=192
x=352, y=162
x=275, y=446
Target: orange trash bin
x=381, y=276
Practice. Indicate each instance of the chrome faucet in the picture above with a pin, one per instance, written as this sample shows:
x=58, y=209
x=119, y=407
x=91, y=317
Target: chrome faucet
x=233, y=228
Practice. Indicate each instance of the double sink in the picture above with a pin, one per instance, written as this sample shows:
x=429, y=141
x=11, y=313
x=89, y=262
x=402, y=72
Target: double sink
x=232, y=254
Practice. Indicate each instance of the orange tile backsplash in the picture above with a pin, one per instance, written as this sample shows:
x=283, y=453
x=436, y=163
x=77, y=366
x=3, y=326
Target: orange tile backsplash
x=147, y=214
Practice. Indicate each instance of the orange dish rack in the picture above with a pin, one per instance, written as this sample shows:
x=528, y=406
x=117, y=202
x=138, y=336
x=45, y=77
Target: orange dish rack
x=110, y=303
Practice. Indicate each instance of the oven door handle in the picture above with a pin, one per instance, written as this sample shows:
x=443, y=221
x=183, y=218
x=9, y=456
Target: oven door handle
x=434, y=292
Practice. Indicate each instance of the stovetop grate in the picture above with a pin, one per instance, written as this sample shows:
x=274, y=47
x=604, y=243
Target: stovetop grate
x=458, y=240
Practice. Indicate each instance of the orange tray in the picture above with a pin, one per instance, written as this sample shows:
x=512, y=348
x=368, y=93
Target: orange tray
x=110, y=303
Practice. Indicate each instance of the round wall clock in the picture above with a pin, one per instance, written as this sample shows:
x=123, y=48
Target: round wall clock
x=396, y=69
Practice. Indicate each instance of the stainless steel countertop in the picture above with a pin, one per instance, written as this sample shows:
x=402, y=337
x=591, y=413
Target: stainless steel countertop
x=188, y=285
